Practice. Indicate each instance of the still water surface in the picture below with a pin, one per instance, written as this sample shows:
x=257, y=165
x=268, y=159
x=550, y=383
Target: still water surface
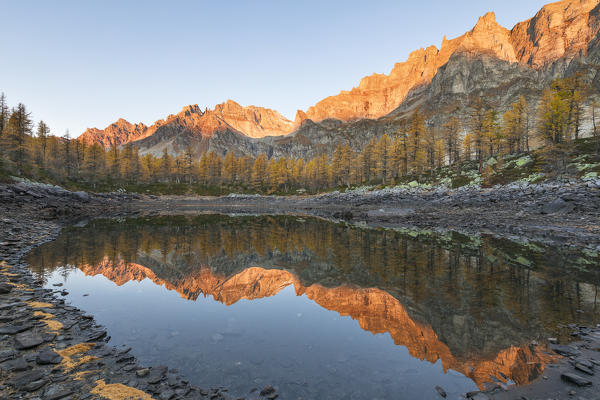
x=323, y=310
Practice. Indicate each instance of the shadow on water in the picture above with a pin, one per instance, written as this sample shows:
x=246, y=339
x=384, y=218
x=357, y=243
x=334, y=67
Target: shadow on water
x=274, y=300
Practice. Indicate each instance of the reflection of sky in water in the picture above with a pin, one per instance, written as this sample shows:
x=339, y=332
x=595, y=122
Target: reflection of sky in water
x=468, y=304
x=285, y=340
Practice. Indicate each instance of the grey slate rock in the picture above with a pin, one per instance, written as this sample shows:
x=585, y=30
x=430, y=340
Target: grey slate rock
x=5, y=288
x=48, y=357
x=27, y=340
x=576, y=379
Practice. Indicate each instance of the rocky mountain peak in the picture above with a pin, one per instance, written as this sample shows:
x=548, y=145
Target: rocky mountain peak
x=486, y=22
x=252, y=121
x=191, y=109
x=560, y=29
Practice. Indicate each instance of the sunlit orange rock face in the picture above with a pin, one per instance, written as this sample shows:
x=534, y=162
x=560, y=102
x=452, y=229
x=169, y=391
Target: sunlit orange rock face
x=561, y=29
x=375, y=310
x=115, y=134
x=558, y=29
x=255, y=122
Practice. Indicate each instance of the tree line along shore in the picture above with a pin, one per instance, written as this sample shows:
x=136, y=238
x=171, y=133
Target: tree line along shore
x=456, y=153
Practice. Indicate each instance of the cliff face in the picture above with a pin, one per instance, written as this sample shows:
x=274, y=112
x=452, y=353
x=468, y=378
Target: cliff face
x=379, y=94
x=562, y=29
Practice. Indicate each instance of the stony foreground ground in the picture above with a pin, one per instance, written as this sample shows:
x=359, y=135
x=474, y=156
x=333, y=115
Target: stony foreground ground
x=50, y=350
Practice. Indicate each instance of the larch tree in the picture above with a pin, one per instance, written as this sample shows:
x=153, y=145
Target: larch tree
x=416, y=149
x=450, y=133
x=594, y=105
x=17, y=135
x=259, y=170
x=478, y=116
x=43, y=131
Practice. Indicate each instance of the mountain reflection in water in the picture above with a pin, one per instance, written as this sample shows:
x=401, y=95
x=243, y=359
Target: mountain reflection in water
x=473, y=303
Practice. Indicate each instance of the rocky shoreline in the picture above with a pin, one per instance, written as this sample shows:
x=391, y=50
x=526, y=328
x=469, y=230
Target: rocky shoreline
x=555, y=213
x=50, y=350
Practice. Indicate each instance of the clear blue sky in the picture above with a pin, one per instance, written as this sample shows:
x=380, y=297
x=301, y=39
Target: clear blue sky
x=79, y=64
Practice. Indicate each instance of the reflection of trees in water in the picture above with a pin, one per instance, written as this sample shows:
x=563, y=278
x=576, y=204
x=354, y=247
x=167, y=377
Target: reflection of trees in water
x=474, y=298
x=482, y=286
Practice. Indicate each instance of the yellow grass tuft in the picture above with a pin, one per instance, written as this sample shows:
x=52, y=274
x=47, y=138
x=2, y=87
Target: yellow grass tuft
x=118, y=391
x=69, y=361
x=48, y=318
x=38, y=304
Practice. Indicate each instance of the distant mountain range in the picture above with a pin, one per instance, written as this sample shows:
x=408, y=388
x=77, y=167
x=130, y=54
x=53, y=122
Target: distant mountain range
x=489, y=61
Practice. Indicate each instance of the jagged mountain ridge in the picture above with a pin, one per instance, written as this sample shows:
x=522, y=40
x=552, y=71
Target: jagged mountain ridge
x=254, y=122
x=557, y=30
x=489, y=61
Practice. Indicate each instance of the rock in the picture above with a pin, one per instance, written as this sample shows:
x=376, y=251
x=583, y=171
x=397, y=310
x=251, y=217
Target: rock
x=480, y=396
x=441, y=391
x=35, y=385
x=558, y=206
x=583, y=368
x=57, y=391
x=27, y=340
x=13, y=329
x=563, y=350
x=142, y=372
x=576, y=379
x=125, y=358
x=5, y=288
x=7, y=355
x=23, y=379
x=48, y=357
x=82, y=196
x=267, y=390
x=18, y=365
x=167, y=394
x=94, y=336
x=157, y=374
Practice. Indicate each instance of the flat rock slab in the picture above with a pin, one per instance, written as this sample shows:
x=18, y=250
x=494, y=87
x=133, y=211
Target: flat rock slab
x=48, y=357
x=576, y=379
x=7, y=355
x=24, y=379
x=566, y=351
x=5, y=288
x=13, y=329
x=27, y=340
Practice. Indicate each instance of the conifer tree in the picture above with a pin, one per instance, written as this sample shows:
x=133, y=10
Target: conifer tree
x=43, y=131
x=4, y=113
x=259, y=169
x=17, y=135
x=166, y=166
x=451, y=131
x=416, y=136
